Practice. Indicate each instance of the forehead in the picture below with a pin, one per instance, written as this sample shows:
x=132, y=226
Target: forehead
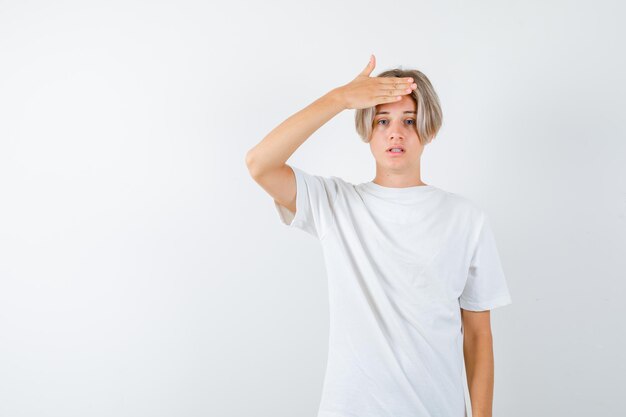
x=407, y=104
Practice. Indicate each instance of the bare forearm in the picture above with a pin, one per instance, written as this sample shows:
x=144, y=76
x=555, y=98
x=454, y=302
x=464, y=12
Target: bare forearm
x=276, y=148
x=479, y=366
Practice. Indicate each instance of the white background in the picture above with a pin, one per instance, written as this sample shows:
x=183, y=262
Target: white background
x=144, y=273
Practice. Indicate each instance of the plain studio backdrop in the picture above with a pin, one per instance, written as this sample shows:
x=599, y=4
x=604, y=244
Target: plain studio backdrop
x=144, y=273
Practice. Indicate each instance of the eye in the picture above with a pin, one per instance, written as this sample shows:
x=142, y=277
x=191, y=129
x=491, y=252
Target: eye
x=411, y=120
x=381, y=120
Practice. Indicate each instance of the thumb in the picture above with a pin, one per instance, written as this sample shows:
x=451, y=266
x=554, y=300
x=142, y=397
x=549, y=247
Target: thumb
x=370, y=66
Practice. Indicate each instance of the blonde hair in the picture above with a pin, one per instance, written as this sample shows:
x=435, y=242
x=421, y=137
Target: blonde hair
x=428, y=109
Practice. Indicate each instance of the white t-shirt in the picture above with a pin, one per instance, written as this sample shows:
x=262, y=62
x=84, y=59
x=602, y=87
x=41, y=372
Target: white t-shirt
x=400, y=262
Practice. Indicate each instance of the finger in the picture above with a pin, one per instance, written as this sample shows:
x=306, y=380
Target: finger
x=394, y=91
x=387, y=99
x=369, y=67
x=392, y=80
x=397, y=86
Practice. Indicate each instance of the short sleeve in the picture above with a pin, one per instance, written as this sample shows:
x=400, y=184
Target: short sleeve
x=314, y=204
x=486, y=287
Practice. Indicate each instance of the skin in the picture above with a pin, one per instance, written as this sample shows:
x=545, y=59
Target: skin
x=270, y=155
x=392, y=125
x=266, y=163
x=479, y=363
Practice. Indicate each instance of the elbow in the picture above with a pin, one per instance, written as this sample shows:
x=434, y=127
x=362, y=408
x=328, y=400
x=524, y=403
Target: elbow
x=257, y=165
x=249, y=157
x=250, y=162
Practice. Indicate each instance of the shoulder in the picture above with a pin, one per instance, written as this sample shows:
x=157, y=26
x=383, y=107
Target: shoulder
x=339, y=184
x=327, y=182
x=464, y=205
x=320, y=187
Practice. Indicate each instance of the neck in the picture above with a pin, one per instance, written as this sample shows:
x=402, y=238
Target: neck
x=398, y=180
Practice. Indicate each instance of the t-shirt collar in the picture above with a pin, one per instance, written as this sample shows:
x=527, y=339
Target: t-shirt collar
x=411, y=191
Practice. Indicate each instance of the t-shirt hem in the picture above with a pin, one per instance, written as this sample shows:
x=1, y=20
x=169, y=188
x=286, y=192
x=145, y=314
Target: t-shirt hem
x=327, y=413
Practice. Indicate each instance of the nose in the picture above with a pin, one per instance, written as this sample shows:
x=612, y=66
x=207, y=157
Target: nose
x=397, y=130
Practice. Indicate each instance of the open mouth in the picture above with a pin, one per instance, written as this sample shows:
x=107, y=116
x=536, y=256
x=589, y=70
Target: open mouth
x=396, y=150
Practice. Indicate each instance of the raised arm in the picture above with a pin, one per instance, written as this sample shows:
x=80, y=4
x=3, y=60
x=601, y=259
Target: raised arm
x=267, y=160
x=276, y=148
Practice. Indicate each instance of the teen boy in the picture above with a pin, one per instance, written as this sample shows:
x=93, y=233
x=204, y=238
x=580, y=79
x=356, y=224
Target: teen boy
x=413, y=270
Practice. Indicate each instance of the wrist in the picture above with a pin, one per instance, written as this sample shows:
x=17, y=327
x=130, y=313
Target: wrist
x=335, y=96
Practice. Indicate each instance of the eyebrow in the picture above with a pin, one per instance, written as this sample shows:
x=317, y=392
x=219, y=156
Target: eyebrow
x=386, y=112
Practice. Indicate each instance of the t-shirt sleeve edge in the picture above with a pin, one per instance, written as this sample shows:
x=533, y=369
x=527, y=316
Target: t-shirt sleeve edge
x=485, y=305
x=288, y=217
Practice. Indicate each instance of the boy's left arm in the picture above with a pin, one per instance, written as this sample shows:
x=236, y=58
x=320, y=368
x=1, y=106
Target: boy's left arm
x=479, y=366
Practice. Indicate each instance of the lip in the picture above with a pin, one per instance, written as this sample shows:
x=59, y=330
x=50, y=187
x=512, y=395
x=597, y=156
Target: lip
x=395, y=154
